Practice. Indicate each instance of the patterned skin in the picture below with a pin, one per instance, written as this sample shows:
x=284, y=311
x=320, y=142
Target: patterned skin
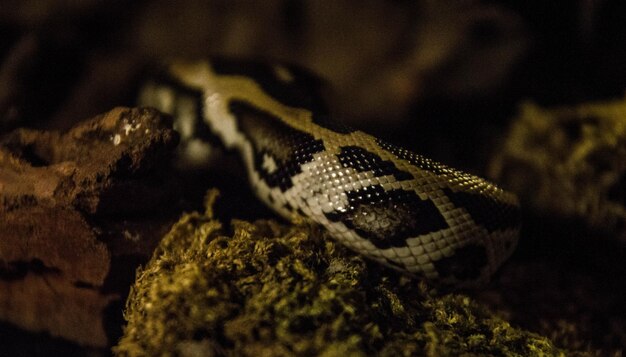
x=391, y=205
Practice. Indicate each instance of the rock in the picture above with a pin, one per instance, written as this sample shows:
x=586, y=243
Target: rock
x=266, y=289
x=66, y=252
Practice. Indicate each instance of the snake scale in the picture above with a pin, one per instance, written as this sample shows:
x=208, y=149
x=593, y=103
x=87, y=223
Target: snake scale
x=391, y=205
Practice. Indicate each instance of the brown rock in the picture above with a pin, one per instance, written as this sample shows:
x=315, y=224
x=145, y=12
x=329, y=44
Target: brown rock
x=50, y=302
x=66, y=253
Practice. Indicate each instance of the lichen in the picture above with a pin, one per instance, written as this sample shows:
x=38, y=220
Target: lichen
x=569, y=162
x=269, y=289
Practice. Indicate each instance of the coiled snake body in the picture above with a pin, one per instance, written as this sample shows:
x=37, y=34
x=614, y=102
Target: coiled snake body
x=389, y=204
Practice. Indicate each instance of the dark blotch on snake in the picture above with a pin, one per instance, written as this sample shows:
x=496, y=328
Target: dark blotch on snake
x=362, y=160
x=388, y=218
x=302, y=91
x=287, y=147
x=485, y=210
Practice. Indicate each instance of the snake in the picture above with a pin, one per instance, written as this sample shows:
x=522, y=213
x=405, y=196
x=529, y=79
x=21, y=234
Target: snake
x=391, y=205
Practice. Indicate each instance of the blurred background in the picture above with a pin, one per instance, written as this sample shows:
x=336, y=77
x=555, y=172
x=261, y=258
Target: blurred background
x=453, y=71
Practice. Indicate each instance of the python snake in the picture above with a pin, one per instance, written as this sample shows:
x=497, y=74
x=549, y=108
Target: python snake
x=391, y=205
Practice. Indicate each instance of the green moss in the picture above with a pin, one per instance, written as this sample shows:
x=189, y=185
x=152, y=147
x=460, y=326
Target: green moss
x=569, y=162
x=267, y=289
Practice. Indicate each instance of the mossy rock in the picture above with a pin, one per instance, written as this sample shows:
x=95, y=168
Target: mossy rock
x=268, y=289
x=569, y=162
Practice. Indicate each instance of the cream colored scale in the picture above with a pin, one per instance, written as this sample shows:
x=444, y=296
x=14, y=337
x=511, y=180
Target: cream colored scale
x=322, y=185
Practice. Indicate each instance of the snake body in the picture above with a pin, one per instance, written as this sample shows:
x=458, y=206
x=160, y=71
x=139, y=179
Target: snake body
x=391, y=205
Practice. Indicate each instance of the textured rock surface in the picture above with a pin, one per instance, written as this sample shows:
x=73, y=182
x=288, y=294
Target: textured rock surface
x=59, y=269
x=272, y=290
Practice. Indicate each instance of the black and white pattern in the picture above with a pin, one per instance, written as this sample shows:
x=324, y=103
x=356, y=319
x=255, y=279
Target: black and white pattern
x=387, y=203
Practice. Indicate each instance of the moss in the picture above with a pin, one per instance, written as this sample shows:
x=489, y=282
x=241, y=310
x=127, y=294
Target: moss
x=569, y=162
x=566, y=277
x=267, y=289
